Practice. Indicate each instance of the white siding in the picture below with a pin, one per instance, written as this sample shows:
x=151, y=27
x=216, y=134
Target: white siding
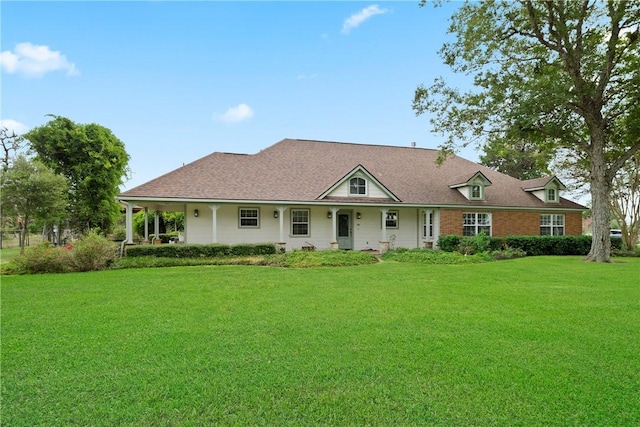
x=374, y=191
x=367, y=231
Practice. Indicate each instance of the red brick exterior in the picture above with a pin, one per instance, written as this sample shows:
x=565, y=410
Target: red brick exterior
x=509, y=223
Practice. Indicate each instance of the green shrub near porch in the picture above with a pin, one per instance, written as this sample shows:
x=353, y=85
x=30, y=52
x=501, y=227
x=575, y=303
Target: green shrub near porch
x=200, y=251
x=532, y=245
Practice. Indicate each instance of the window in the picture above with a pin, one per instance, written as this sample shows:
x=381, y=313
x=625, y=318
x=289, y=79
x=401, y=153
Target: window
x=474, y=223
x=249, y=217
x=427, y=224
x=392, y=219
x=476, y=192
x=357, y=186
x=300, y=222
x=551, y=225
x=552, y=195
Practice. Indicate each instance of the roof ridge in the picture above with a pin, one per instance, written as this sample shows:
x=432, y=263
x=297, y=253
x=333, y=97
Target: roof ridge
x=361, y=144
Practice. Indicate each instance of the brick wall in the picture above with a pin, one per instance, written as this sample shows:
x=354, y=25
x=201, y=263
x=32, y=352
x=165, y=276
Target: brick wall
x=506, y=223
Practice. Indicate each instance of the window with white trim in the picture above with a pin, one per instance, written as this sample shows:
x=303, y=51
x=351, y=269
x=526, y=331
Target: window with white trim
x=392, y=219
x=551, y=225
x=357, y=186
x=427, y=224
x=475, y=223
x=249, y=218
x=552, y=195
x=299, y=222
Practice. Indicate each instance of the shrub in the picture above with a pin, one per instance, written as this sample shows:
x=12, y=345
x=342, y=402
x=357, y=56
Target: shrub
x=200, y=251
x=449, y=243
x=44, y=258
x=508, y=253
x=92, y=252
x=431, y=256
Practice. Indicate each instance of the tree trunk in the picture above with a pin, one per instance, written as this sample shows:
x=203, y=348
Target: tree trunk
x=600, y=193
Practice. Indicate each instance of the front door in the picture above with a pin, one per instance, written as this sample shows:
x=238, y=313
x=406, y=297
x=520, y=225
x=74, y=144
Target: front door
x=345, y=235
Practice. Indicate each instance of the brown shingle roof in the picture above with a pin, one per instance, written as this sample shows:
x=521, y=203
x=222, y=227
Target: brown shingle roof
x=301, y=170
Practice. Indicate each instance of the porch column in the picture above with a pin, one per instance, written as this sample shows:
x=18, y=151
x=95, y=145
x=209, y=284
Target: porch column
x=146, y=225
x=214, y=222
x=384, y=243
x=383, y=212
x=334, y=225
x=281, y=210
x=129, y=223
x=156, y=227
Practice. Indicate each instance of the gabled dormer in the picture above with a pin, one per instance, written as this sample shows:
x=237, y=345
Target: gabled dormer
x=472, y=186
x=546, y=189
x=360, y=184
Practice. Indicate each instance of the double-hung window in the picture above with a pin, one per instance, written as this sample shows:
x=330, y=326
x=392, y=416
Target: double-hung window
x=357, y=186
x=552, y=195
x=551, y=225
x=475, y=223
x=299, y=222
x=249, y=218
x=392, y=219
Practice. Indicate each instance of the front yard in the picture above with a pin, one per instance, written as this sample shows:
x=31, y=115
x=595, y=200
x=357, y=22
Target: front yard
x=532, y=341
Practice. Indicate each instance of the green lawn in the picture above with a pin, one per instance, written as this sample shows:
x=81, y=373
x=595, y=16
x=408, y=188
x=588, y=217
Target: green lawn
x=533, y=341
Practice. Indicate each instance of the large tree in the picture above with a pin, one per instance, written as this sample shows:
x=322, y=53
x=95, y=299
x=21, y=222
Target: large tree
x=523, y=160
x=32, y=191
x=551, y=72
x=625, y=202
x=94, y=162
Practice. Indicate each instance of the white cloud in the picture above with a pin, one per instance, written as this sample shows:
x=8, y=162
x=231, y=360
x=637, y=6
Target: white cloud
x=14, y=125
x=235, y=114
x=358, y=18
x=307, y=76
x=35, y=60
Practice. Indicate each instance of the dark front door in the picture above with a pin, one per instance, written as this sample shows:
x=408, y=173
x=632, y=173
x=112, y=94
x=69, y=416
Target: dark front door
x=345, y=236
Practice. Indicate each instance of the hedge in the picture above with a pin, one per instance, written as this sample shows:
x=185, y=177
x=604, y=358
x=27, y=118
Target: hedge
x=200, y=251
x=532, y=245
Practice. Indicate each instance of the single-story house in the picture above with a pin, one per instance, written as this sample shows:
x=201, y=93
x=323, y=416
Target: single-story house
x=301, y=193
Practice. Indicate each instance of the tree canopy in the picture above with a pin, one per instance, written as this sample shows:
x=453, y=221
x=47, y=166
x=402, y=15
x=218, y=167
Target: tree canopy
x=565, y=75
x=94, y=162
x=32, y=191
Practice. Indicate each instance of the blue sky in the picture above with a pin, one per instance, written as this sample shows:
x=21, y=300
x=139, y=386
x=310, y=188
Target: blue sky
x=176, y=81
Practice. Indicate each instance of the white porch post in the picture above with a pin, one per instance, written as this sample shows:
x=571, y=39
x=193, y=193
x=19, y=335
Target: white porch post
x=214, y=222
x=146, y=225
x=334, y=224
x=384, y=243
x=281, y=210
x=383, y=212
x=156, y=226
x=129, y=223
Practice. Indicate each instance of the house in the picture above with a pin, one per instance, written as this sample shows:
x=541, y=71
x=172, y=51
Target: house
x=298, y=193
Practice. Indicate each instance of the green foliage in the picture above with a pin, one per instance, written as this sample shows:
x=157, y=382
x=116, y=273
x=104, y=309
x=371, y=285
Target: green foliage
x=200, y=251
x=430, y=256
x=44, y=258
x=561, y=76
x=449, y=243
x=89, y=253
x=524, y=160
x=94, y=163
x=311, y=259
x=92, y=252
x=470, y=245
x=32, y=191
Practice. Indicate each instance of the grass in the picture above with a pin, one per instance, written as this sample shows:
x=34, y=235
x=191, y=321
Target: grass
x=533, y=341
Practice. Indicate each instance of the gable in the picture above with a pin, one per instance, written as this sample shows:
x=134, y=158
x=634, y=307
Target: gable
x=360, y=184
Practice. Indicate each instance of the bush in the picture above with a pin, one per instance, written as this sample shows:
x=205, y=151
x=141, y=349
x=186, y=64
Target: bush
x=44, y=258
x=449, y=243
x=200, y=251
x=92, y=252
x=431, y=256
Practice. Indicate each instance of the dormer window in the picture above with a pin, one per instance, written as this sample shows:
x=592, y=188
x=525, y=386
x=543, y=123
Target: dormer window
x=472, y=187
x=552, y=195
x=357, y=186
